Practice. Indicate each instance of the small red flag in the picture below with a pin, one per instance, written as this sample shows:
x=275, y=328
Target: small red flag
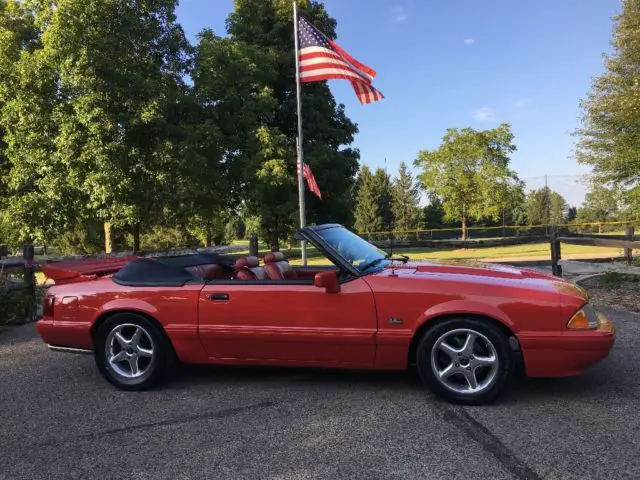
x=311, y=180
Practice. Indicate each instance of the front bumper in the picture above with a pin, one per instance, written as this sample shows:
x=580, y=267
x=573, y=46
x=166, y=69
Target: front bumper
x=567, y=353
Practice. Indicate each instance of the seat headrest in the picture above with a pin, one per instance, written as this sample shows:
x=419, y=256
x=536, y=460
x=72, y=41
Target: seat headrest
x=247, y=262
x=274, y=257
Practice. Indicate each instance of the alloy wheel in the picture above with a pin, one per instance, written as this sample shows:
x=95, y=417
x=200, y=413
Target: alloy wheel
x=129, y=350
x=464, y=361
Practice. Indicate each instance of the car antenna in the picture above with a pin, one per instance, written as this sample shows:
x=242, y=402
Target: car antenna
x=393, y=270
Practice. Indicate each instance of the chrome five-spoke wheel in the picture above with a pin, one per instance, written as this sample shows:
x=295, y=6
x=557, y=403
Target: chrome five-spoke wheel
x=464, y=361
x=129, y=350
x=133, y=352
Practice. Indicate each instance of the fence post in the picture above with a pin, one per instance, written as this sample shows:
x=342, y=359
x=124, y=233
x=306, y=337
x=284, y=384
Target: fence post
x=556, y=255
x=28, y=255
x=628, y=252
x=253, y=245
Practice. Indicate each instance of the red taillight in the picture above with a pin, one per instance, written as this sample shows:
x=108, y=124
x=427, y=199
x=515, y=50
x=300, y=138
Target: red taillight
x=47, y=306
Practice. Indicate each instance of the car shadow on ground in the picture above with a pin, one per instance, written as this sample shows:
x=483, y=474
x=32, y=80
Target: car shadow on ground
x=520, y=390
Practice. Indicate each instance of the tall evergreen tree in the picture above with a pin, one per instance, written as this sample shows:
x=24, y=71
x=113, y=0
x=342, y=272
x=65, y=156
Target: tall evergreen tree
x=406, y=197
x=373, y=201
x=366, y=209
x=382, y=188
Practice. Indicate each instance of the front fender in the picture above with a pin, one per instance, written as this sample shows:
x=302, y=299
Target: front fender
x=465, y=307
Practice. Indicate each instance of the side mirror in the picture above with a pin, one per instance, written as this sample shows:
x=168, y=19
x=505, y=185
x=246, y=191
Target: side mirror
x=327, y=280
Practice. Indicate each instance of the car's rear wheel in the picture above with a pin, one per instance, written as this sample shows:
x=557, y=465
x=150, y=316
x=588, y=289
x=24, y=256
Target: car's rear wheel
x=465, y=360
x=132, y=352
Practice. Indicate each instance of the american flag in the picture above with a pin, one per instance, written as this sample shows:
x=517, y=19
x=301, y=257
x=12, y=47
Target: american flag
x=311, y=180
x=323, y=59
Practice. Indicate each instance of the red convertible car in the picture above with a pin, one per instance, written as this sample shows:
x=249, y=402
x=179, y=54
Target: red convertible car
x=462, y=324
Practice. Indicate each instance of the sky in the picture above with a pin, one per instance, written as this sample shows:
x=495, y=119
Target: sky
x=464, y=63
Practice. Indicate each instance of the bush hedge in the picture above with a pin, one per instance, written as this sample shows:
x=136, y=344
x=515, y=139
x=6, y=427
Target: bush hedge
x=17, y=304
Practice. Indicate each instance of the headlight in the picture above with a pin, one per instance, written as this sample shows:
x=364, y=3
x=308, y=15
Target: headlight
x=584, y=319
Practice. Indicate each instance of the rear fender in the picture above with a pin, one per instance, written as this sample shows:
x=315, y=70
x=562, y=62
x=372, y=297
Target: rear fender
x=132, y=305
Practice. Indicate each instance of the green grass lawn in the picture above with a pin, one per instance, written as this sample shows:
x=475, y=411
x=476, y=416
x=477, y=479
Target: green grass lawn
x=531, y=251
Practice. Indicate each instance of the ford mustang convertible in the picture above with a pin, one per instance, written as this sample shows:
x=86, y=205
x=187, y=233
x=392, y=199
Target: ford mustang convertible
x=463, y=325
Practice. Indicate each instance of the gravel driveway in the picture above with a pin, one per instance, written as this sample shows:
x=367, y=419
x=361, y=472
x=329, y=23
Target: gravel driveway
x=60, y=419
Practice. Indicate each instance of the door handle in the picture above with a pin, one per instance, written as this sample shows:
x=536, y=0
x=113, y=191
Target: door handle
x=219, y=296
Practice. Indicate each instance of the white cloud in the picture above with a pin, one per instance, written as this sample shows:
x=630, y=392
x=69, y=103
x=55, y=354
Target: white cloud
x=484, y=114
x=398, y=15
x=523, y=102
x=469, y=41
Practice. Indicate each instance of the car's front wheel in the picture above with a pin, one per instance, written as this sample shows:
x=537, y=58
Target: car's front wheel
x=132, y=352
x=465, y=360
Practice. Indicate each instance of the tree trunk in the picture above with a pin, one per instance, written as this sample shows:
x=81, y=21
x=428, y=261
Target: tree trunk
x=599, y=228
x=108, y=238
x=274, y=243
x=275, y=236
x=208, y=238
x=136, y=237
x=464, y=228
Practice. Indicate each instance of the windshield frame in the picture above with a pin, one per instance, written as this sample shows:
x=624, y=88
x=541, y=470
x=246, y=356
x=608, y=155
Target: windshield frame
x=313, y=234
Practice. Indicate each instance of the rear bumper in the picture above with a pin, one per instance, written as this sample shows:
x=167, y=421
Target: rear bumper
x=568, y=353
x=71, y=334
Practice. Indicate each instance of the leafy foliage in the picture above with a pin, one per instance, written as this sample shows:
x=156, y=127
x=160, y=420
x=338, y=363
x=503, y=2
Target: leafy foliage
x=610, y=133
x=246, y=83
x=601, y=204
x=470, y=173
x=105, y=98
x=546, y=207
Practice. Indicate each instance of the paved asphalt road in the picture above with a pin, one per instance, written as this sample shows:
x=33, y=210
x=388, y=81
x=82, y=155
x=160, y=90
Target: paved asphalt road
x=59, y=419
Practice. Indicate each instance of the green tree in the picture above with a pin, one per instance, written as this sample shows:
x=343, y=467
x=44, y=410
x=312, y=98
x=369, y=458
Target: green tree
x=546, y=207
x=601, y=204
x=433, y=213
x=470, y=173
x=366, y=209
x=383, y=194
x=406, y=197
x=373, y=201
x=31, y=201
x=106, y=93
x=610, y=133
x=246, y=83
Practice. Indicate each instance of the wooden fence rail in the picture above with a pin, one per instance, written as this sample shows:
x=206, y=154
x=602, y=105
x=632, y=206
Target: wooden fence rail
x=625, y=242
x=494, y=242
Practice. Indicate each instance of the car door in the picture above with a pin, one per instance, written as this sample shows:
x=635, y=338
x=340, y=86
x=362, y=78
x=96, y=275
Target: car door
x=288, y=322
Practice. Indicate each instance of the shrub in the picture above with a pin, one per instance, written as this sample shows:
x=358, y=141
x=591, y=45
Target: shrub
x=17, y=304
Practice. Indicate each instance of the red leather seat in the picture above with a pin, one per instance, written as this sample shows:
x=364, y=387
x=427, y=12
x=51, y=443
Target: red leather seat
x=278, y=268
x=248, y=268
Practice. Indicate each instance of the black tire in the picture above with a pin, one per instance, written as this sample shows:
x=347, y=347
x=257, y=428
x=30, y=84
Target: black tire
x=451, y=332
x=157, y=368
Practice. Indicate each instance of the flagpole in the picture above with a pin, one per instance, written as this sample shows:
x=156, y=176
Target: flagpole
x=299, y=139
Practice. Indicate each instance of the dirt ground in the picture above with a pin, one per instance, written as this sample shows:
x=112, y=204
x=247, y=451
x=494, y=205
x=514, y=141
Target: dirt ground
x=614, y=290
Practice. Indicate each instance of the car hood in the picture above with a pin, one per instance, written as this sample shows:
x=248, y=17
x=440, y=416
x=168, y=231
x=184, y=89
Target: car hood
x=479, y=272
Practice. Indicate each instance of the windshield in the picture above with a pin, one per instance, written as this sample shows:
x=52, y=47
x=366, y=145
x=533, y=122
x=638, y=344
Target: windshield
x=354, y=249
